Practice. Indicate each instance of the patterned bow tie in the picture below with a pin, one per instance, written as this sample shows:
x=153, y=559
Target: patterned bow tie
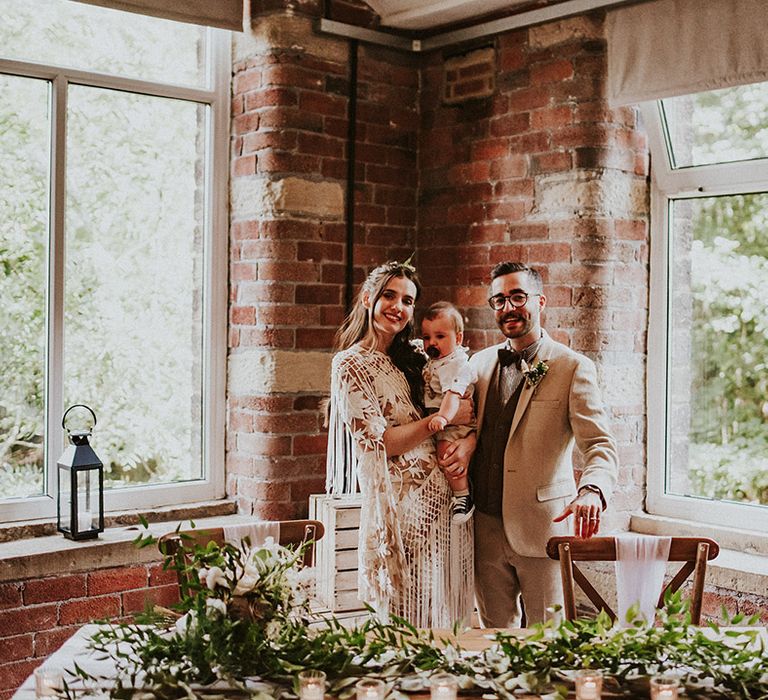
x=510, y=357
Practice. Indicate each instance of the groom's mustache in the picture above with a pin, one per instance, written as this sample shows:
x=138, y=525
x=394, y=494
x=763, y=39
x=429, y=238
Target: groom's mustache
x=433, y=352
x=512, y=317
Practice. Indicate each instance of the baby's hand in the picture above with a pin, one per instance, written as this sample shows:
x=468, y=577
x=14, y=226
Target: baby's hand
x=437, y=423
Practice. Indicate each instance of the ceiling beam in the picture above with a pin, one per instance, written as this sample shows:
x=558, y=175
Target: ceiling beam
x=400, y=41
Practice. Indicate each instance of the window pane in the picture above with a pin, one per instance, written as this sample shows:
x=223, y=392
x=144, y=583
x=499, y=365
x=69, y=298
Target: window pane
x=718, y=418
x=133, y=300
x=24, y=148
x=718, y=126
x=107, y=41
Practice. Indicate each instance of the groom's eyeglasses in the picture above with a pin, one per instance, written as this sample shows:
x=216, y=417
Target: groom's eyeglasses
x=516, y=300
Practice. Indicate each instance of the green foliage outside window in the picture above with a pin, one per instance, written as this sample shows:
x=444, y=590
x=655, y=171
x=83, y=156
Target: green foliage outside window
x=729, y=426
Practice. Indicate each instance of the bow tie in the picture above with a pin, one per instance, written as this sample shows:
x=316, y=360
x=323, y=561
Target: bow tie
x=510, y=357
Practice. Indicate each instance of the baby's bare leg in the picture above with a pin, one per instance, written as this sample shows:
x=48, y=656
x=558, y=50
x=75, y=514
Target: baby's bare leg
x=457, y=483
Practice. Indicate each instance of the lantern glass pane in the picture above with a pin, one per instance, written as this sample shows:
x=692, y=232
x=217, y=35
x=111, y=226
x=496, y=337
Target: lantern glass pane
x=24, y=155
x=65, y=497
x=133, y=309
x=87, y=499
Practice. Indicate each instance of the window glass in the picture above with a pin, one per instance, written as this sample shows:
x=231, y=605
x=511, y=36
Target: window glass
x=133, y=306
x=718, y=393
x=718, y=126
x=104, y=242
x=24, y=154
x=92, y=38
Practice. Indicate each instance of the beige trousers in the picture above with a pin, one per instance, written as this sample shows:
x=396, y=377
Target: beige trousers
x=504, y=580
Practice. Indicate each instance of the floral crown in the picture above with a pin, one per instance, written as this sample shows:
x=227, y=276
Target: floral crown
x=393, y=265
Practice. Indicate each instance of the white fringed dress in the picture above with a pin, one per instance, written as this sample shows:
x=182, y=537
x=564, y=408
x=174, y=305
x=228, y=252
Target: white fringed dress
x=413, y=562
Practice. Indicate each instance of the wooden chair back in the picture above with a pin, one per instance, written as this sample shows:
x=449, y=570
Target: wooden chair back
x=292, y=533
x=694, y=552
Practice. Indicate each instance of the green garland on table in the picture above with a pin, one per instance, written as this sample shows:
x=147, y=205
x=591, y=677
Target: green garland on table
x=243, y=627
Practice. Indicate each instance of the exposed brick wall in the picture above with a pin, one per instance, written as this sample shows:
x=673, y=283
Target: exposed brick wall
x=289, y=167
x=543, y=172
x=37, y=616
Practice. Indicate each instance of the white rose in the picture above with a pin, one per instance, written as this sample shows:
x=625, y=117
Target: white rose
x=186, y=624
x=215, y=605
x=249, y=579
x=215, y=577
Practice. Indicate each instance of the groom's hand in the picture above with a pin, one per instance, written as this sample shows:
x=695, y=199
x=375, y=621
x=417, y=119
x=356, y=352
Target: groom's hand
x=455, y=459
x=586, y=509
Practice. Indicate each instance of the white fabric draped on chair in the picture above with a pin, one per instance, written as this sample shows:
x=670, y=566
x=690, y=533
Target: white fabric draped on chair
x=641, y=561
x=257, y=532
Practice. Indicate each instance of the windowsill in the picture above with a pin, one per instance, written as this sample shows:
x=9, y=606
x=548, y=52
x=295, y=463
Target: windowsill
x=11, y=532
x=51, y=555
x=742, y=564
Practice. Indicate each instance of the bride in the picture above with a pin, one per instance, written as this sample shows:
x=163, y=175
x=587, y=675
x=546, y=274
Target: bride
x=413, y=563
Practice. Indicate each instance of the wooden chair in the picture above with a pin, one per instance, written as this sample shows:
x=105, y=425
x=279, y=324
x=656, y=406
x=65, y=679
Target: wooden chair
x=694, y=551
x=292, y=533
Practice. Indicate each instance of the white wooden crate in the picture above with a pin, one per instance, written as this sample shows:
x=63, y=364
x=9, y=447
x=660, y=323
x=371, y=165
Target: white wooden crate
x=336, y=552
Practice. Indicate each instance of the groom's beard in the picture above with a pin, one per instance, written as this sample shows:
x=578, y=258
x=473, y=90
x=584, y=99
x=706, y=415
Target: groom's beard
x=526, y=324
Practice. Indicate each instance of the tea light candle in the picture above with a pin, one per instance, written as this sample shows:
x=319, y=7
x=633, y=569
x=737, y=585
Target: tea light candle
x=370, y=689
x=311, y=685
x=84, y=520
x=553, y=617
x=589, y=685
x=443, y=686
x=664, y=688
x=49, y=682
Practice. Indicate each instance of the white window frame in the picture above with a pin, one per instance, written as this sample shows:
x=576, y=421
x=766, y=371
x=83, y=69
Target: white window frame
x=216, y=180
x=667, y=185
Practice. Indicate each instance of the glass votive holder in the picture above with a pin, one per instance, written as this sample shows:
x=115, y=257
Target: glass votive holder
x=370, y=689
x=49, y=682
x=589, y=684
x=664, y=688
x=312, y=685
x=443, y=686
x=553, y=618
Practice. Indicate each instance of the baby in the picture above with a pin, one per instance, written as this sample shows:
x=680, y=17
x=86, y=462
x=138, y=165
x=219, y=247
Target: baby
x=447, y=377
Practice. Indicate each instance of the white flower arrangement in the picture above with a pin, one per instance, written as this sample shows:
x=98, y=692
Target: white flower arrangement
x=267, y=577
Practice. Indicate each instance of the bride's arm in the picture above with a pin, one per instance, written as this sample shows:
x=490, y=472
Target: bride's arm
x=401, y=438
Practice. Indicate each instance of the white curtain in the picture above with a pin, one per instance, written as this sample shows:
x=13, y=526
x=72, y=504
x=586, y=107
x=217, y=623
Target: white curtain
x=664, y=48
x=225, y=14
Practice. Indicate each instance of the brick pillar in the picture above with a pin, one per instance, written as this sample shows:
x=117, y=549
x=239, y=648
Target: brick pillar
x=288, y=237
x=286, y=257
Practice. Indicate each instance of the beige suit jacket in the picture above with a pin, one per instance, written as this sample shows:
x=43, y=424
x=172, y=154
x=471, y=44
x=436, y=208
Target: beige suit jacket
x=563, y=408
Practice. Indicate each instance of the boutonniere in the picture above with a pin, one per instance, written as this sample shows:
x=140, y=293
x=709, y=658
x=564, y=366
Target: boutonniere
x=533, y=375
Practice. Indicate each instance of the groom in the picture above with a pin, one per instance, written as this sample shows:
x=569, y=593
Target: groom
x=535, y=398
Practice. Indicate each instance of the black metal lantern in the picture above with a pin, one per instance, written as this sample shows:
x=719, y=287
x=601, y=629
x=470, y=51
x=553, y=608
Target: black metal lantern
x=80, y=475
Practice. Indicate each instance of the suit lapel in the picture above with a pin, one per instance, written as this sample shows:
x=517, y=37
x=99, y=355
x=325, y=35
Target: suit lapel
x=543, y=355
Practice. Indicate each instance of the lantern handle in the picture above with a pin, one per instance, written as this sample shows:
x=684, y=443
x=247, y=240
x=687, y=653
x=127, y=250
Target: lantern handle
x=77, y=405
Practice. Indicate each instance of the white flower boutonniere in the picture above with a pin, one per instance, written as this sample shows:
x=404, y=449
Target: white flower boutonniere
x=533, y=375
